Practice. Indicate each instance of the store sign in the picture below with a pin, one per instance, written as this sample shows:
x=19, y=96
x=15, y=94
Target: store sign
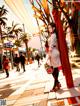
x=8, y=45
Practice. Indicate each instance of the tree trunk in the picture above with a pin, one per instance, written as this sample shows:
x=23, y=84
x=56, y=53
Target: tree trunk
x=2, y=46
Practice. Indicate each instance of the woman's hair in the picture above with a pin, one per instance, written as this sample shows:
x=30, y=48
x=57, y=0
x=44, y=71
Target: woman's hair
x=53, y=25
x=46, y=44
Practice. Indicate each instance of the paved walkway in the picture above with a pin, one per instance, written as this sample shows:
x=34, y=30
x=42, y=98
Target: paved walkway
x=32, y=88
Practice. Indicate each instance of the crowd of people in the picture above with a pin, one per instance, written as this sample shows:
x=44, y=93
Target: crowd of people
x=17, y=60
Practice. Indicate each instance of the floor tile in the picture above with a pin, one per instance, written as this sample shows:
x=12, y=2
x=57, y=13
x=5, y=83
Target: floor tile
x=32, y=99
x=35, y=86
x=41, y=103
x=32, y=92
x=48, y=86
x=39, y=81
x=65, y=93
x=52, y=95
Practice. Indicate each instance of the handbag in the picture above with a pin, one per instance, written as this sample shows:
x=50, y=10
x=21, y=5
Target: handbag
x=48, y=65
x=48, y=68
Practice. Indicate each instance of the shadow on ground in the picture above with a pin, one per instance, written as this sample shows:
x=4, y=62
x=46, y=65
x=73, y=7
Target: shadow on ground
x=5, y=91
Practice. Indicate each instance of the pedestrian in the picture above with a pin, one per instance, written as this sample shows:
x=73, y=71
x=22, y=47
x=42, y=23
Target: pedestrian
x=37, y=57
x=6, y=66
x=16, y=62
x=22, y=61
x=53, y=54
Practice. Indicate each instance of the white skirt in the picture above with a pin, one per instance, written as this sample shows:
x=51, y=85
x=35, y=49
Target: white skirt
x=55, y=58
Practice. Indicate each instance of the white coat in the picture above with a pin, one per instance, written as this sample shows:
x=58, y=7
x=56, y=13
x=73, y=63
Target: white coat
x=53, y=54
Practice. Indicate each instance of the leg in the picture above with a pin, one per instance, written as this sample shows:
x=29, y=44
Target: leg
x=21, y=65
x=55, y=75
x=24, y=67
x=38, y=63
x=56, y=82
x=7, y=73
x=18, y=69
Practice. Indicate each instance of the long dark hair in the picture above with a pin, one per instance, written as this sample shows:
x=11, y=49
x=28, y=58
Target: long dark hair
x=55, y=30
x=46, y=44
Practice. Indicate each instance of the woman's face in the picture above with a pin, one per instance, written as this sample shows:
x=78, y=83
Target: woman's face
x=50, y=29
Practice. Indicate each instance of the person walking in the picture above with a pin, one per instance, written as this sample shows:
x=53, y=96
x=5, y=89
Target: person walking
x=22, y=61
x=16, y=62
x=37, y=57
x=54, y=55
x=6, y=66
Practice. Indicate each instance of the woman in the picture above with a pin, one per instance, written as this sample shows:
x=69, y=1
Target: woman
x=6, y=66
x=53, y=54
